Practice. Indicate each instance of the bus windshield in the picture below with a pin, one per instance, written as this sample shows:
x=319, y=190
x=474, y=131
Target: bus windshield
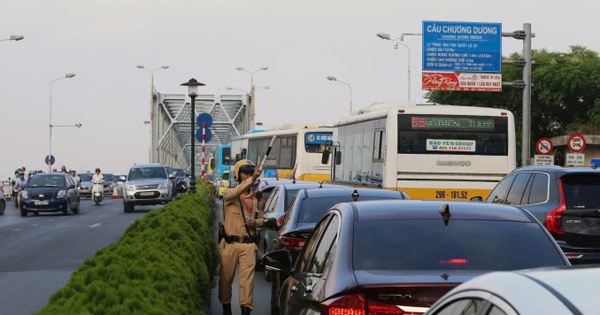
x=452, y=134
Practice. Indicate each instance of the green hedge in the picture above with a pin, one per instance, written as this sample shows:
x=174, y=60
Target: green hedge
x=163, y=264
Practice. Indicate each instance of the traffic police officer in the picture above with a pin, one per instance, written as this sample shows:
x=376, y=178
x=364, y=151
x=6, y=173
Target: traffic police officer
x=241, y=216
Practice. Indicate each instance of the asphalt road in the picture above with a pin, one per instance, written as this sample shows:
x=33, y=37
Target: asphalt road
x=39, y=253
x=262, y=288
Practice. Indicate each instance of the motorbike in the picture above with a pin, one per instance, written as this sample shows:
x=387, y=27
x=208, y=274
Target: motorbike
x=15, y=197
x=98, y=191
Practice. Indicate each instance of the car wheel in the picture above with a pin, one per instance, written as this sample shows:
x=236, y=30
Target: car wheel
x=76, y=209
x=2, y=207
x=23, y=212
x=128, y=207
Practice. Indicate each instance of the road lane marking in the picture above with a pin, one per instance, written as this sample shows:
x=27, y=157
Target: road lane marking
x=35, y=224
x=16, y=230
x=94, y=225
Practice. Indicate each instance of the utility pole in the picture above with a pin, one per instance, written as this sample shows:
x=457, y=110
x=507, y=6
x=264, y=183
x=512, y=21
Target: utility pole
x=525, y=35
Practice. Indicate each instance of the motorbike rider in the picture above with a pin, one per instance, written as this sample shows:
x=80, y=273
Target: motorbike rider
x=97, y=177
x=75, y=177
x=63, y=169
x=241, y=216
x=20, y=183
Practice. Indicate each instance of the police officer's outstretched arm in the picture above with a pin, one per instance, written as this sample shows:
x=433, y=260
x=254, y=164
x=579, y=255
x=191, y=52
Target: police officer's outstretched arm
x=231, y=194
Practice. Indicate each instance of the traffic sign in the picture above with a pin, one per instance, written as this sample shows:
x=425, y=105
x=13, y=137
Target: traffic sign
x=544, y=146
x=576, y=143
x=543, y=159
x=575, y=159
x=595, y=162
x=199, y=135
x=50, y=160
x=204, y=118
x=462, y=47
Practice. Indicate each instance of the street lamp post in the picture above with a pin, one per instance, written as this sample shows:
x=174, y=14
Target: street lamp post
x=400, y=41
x=250, y=117
x=152, y=109
x=16, y=38
x=332, y=78
x=193, y=85
x=67, y=76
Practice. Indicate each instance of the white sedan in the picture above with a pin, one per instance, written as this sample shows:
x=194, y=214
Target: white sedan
x=548, y=291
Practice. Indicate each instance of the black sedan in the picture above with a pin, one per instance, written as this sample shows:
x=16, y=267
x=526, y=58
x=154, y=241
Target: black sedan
x=399, y=257
x=54, y=192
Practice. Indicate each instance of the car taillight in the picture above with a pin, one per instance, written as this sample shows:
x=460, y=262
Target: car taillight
x=280, y=220
x=554, y=217
x=291, y=242
x=357, y=304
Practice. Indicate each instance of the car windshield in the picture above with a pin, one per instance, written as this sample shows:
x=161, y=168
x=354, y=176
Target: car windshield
x=460, y=245
x=87, y=177
x=146, y=173
x=47, y=181
x=179, y=172
x=313, y=209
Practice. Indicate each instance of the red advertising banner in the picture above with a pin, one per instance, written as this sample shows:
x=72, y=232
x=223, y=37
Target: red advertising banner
x=450, y=81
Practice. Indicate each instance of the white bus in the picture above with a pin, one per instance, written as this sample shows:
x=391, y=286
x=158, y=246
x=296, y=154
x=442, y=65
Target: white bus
x=428, y=151
x=297, y=151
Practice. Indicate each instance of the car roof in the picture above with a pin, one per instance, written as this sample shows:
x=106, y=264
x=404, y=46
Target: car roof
x=348, y=191
x=149, y=165
x=527, y=289
x=560, y=170
x=420, y=209
x=51, y=174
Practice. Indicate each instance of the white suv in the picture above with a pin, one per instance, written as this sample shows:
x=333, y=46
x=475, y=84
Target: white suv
x=147, y=184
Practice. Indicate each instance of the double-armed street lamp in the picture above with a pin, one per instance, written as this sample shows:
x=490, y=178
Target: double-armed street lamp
x=193, y=85
x=50, y=124
x=400, y=41
x=251, y=110
x=15, y=38
x=335, y=79
x=164, y=67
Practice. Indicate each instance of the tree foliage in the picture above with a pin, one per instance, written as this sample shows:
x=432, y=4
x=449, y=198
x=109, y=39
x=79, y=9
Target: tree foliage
x=565, y=96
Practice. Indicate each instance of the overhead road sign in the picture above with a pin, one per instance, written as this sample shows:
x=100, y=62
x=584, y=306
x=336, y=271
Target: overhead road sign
x=462, y=47
x=544, y=146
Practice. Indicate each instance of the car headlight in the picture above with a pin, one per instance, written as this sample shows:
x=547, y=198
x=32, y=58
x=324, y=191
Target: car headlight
x=24, y=194
x=130, y=187
x=61, y=194
x=163, y=186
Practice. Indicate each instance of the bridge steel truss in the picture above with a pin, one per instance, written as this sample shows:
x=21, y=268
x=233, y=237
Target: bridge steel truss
x=171, y=134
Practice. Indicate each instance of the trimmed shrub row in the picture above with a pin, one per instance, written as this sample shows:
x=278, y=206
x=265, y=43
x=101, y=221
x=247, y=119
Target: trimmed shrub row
x=163, y=264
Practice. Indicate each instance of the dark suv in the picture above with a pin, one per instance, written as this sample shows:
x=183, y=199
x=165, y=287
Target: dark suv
x=565, y=200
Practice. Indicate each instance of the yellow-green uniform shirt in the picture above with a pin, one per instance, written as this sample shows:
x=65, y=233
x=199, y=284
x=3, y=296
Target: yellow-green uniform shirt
x=234, y=222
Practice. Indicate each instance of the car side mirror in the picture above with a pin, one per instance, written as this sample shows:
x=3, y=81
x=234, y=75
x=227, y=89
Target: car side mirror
x=270, y=223
x=477, y=199
x=325, y=156
x=122, y=178
x=279, y=260
x=338, y=157
x=172, y=176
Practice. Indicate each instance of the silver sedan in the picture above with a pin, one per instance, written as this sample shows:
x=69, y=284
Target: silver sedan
x=548, y=291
